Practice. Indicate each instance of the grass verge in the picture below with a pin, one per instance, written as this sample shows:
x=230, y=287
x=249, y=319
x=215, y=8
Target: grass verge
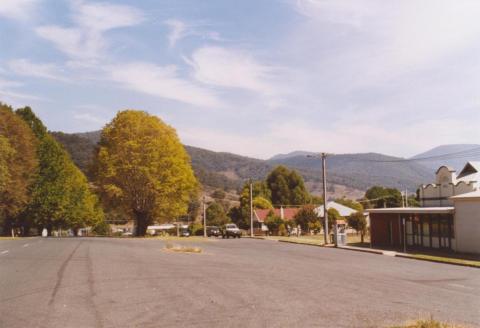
x=449, y=260
x=428, y=324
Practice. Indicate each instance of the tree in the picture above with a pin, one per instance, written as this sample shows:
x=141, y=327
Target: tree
x=141, y=166
x=262, y=203
x=287, y=187
x=333, y=216
x=216, y=215
x=305, y=216
x=379, y=197
x=19, y=167
x=6, y=154
x=358, y=222
x=274, y=223
x=61, y=196
x=261, y=196
x=219, y=194
x=350, y=203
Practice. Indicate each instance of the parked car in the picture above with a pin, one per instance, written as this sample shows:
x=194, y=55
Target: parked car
x=184, y=233
x=231, y=230
x=213, y=231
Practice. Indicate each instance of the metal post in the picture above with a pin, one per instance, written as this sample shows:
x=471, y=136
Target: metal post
x=325, y=211
x=204, y=218
x=404, y=235
x=251, y=209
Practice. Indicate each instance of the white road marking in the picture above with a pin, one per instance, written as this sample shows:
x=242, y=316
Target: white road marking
x=26, y=245
x=4, y=252
x=457, y=285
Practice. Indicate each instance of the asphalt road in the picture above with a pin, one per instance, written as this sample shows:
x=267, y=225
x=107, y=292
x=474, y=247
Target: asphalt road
x=96, y=282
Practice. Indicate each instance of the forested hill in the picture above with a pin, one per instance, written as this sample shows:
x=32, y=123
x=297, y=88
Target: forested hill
x=229, y=171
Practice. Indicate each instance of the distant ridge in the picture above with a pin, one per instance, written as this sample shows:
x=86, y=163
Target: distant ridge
x=353, y=172
x=463, y=153
x=291, y=154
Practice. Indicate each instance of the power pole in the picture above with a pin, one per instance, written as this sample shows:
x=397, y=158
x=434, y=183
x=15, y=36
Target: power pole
x=251, y=208
x=204, y=218
x=325, y=211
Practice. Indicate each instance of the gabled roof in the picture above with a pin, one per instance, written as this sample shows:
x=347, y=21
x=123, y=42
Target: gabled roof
x=469, y=168
x=342, y=209
x=288, y=213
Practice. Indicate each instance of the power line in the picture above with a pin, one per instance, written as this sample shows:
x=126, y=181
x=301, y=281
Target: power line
x=455, y=155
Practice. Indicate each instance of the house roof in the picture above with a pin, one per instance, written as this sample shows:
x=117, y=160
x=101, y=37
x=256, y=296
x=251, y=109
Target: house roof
x=469, y=195
x=288, y=213
x=470, y=171
x=342, y=209
x=413, y=210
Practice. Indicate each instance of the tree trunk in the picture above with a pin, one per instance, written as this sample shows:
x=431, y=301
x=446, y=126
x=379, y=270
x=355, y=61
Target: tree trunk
x=142, y=223
x=361, y=237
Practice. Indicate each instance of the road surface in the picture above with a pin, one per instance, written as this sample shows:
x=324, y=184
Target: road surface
x=107, y=282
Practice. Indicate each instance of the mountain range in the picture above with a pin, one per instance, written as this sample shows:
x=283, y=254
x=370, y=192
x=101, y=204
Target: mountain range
x=348, y=174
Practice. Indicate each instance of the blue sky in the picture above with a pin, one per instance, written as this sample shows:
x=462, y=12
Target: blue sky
x=253, y=77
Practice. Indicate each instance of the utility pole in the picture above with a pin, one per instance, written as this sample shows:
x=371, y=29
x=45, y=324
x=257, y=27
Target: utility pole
x=251, y=208
x=204, y=218
x=325, y=211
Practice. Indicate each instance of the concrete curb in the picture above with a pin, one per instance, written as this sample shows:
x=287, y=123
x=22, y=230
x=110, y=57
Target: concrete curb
x=407, y=256
x=381, y=252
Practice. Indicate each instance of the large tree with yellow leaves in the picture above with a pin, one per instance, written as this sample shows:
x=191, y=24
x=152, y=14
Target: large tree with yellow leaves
x=142, y=167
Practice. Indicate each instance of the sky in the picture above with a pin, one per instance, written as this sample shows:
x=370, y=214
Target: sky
x=252, y=77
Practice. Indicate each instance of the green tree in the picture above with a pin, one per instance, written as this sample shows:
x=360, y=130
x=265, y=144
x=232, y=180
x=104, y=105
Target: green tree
x=216, y=215
x=350, y=203
x=219, y=194
x=61, y=196
x=274, y=223
x=142, y=166
x=287, y=187
x=260, y=202
x=379, y=197
x=358, y=222
x=261, y=196
x=333, y=216
x=19, y=168
x=306, y=216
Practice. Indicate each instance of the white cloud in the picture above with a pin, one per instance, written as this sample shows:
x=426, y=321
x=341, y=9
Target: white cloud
x=90, y=118
x=17, y=9
x=27, y=68
x=178, y=30
x=163, y=82
x=85, y=40
x=237, y=69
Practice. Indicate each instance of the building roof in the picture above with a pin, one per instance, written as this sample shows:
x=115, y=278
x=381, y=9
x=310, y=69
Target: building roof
x=286, y=213
x=470, y=172
x=342, y=209
x=413, y=210
x=469, y=195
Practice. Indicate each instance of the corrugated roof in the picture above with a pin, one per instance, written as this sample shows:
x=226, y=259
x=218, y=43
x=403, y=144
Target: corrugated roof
x=342, y=209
